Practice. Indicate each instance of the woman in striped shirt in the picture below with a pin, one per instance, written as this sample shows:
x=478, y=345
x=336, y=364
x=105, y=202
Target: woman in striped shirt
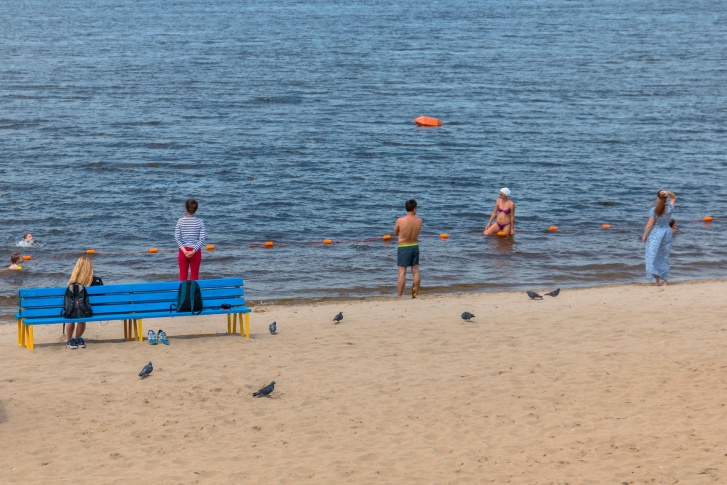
x=189, y=234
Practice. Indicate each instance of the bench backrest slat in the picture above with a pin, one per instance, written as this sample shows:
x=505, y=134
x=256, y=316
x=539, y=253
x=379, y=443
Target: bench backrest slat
x=130, y=287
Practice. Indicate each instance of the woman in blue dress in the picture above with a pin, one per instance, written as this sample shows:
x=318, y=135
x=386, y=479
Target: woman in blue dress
x=658, y=237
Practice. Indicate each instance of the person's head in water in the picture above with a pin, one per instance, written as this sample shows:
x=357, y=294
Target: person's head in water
x=411, y=205
x=28, y=238
x=83, y=272
x=191, y=205
x=15, y=261
x=504, y=193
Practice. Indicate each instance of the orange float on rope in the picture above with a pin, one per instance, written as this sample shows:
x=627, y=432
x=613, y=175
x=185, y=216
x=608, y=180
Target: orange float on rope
x=708, y=219
x=27, y=258
x=210, y=247
x=153, y=250
x=387, y=237
x=326, y=241
x=268, y=244
x=606, y=226
x=90, y=251
x=427, y=121
x=444, y=236
x=553, y=228
x=502, y=233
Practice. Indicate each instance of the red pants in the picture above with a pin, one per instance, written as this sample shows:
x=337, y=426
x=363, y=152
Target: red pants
x=186, y=264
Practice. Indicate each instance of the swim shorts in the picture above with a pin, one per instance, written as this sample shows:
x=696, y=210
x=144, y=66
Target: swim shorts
x=408, y=255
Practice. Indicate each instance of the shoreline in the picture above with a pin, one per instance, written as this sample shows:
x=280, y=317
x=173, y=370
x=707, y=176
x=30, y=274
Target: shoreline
x=7, y=312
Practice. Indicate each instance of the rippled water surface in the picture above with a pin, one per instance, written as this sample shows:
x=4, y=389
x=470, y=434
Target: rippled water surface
x=291, y=122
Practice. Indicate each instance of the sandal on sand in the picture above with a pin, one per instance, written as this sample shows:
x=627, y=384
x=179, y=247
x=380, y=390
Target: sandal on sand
x=413, y=293
x=152, y=338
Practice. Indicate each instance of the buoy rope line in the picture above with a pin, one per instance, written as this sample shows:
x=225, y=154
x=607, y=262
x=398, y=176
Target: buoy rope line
x=387, y=238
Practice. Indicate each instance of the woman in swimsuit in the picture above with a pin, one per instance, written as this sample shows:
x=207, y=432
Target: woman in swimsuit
x=504, y=215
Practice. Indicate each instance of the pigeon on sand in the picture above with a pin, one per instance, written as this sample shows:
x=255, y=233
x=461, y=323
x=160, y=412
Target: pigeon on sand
x=146, y=370
x=265, y=391
x=466, y=316
x=554, y=292
x=534, y=296
x=338, y=317
x=273, y=327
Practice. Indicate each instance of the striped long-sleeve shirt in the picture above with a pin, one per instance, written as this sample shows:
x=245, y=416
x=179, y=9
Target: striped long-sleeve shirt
x=190, y=232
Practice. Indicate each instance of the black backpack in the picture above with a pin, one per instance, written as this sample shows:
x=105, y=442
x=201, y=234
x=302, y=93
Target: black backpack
x=189, y=298
x=75, y=302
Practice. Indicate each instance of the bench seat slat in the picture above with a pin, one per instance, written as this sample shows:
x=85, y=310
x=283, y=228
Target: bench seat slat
x=134, y=316
x=110, y=310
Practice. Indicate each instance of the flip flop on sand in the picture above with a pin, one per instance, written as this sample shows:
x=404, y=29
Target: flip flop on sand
x=413, y=293
x=152, y=338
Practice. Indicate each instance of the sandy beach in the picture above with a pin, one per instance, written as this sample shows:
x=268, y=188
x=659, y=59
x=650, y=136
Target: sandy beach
x=610, y=385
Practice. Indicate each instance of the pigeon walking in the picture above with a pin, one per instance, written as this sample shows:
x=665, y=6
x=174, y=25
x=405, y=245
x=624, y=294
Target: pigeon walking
x=534, y=296
x=265, y=390
x=146, y=370
x=273, y=327
x=554, y=293
x=338, y=317
x=466, y=316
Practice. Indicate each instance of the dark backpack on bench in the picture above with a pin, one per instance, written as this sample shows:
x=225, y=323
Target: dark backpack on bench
x=189, y=298
x=75, y=302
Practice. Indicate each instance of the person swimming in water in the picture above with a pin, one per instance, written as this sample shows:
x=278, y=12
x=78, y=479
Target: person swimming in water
x=15, y=261
x=674, y=229
x=27, y=241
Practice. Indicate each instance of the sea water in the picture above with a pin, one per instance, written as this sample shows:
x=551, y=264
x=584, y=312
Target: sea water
x=291, y=122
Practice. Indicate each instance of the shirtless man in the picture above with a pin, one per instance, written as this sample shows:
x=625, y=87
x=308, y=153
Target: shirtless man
x=407, y=229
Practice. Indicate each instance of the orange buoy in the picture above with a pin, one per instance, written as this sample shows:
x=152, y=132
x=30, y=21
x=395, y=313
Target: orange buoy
x=153, y=250
x=387, y=237
x=210, y=247
x=427, y=121
x=444, y=236
x=326, y=241
x=90, y=251
x=502, y=233
x=708, y=219
x=553, y=228
x=27, y=258
x=268, y=244
x=606, y=226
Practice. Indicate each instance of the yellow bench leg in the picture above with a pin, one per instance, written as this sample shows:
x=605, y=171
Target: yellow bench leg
x=247, y=325
x=126, y=331
x=234, y=323
x=29, y=337
x=229, y=324
x=21, y=333
x=141, y=332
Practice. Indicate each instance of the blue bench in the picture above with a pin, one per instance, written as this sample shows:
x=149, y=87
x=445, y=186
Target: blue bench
x=131, y=303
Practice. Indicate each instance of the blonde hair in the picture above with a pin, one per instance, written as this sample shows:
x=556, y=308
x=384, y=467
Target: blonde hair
x=83, y=272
